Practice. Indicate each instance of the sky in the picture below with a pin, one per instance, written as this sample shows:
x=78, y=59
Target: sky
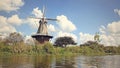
x=80, y=19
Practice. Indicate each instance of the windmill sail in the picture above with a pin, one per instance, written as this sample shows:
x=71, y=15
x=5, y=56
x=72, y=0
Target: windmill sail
x=42, y=29
x=42, y=32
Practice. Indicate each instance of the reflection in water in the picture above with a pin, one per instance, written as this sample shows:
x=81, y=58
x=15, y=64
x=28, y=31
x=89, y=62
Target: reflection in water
x=112, y=61
x=60, y=62
x=16, y=62
x=64, y=62
x=42, y=61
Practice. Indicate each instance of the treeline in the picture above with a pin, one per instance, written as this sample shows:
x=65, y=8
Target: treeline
x=100, y=48
x=14, y=44
x=48, y=48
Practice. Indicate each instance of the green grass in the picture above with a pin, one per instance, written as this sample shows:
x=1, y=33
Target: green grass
x=49, y=49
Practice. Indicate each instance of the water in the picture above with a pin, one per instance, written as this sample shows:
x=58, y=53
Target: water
x=110, y=61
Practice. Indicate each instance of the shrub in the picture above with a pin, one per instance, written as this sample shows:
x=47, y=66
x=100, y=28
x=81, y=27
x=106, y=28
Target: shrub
x=48, y=47
x=38, y=49
x=19, y=48
x=4, y=48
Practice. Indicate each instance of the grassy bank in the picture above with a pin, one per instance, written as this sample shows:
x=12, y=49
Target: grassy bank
x=49, y=49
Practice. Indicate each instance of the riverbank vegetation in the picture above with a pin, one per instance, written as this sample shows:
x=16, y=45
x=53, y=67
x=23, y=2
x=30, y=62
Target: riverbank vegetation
x=14, y=45
x=48, y=48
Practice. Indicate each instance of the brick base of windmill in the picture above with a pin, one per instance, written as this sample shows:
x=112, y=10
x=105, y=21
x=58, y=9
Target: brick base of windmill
x=42, y=38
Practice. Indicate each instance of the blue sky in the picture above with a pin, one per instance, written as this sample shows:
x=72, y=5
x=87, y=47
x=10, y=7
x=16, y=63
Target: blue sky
x=87, y=15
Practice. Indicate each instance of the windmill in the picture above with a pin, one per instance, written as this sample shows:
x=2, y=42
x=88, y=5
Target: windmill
x=42, y=33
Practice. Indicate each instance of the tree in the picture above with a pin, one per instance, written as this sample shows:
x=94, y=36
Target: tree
x=64, y=41
x=14, y=38
x=89, y=43
x=97, y=37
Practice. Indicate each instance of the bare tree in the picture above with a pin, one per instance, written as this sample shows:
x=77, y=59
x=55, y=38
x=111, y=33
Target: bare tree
x=14, y=38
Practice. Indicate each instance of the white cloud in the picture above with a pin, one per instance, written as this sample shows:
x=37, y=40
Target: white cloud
x=102, y=29
x=51, y=28
x=84, y=37
x=3, y=21
x=15, y=20
x=108, y=40
x=65, y=24
x=5, y=27
x=10, y=5
x=111, y=37
x=114, y=27
x=34, y=23
x=62, y=34
x=117, y=11
x=38, y=13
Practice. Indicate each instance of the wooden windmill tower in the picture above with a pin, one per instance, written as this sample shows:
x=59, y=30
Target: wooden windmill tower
x=42, y=33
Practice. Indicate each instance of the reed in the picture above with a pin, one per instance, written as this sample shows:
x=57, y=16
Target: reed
x=49, y=49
